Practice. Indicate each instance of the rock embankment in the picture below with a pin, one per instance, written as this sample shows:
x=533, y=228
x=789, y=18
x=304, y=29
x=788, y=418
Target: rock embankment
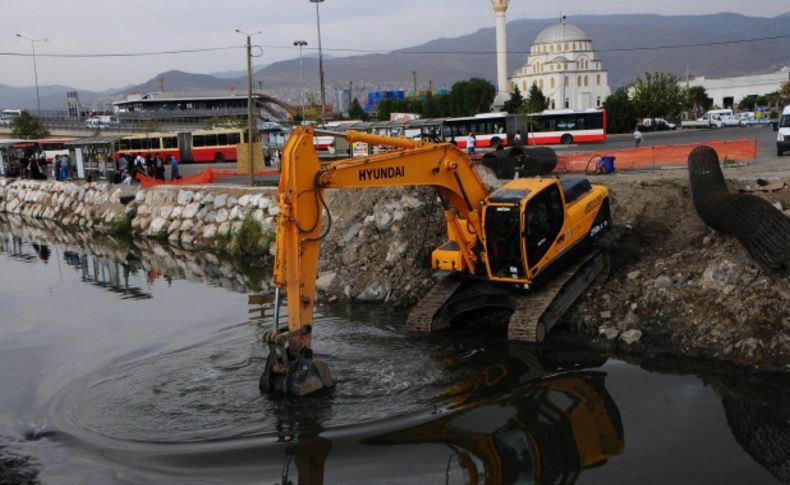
x=189, y=217
x=87, y=205
x=198, y=217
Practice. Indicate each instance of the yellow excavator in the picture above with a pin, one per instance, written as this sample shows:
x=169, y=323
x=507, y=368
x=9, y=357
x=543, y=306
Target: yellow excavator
x=523, y=247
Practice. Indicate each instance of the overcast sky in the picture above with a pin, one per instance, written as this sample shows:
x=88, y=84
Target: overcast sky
x=116, y=26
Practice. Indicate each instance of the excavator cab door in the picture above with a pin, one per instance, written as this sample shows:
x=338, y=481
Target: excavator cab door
x=503, y=241
x=544, y=217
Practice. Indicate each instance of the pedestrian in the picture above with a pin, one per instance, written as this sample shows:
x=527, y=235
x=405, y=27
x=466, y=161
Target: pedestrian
x=174, y=175
x=126, y=179
x=65, y=167
x=471, y=143
x=160, y=167
x=517, y=140
x=637, y=137
x=139, y=163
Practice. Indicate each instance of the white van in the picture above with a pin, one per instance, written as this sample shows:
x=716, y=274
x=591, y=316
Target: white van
x=783, y=135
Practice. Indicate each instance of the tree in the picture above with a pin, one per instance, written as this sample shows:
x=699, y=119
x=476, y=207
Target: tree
x=620, y=112
x=657, y=95
x=784, y=92
x=471, y=97
x=513, y=105
x=28, y=127
x=696, y=100
x=536, y=102
x=430, y=107
x=312, y=110
x=355, y=112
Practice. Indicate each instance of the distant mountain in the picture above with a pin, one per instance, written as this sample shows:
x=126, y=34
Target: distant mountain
x=52, y=96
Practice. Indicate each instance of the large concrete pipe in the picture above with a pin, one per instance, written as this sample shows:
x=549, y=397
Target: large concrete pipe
x=760, y=227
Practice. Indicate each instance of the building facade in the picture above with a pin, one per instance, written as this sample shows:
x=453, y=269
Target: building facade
x=728, y=92
x=563, y=65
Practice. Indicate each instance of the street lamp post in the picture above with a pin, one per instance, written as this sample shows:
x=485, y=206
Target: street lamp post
x=300, y=44
x=35, y=68
x=250, y=121
x=320, y=60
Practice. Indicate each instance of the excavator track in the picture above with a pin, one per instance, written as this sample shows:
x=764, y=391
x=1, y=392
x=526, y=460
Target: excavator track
x=427, y=316
x=538, y=311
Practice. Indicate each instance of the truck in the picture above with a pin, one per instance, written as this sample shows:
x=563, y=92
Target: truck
x=716, y=118
x=525, y=247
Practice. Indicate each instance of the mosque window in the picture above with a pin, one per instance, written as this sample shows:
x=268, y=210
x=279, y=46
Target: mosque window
x=598, y=79
x=567, y=81
x=586, y=81
x=551, y=83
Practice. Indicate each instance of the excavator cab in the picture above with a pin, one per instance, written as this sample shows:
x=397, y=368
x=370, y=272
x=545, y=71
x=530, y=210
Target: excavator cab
x=524, y=224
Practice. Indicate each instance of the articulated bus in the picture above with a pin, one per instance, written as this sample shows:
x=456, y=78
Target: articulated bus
x=216, y=145
x=566, y=127
x=491, y=130
x=547, y=128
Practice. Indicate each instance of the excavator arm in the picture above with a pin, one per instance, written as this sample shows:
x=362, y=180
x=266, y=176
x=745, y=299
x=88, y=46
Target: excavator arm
x=290, y=367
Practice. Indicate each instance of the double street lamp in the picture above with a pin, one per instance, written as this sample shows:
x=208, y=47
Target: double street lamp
x=35, y=67
x=320, y=60
x=300, y=44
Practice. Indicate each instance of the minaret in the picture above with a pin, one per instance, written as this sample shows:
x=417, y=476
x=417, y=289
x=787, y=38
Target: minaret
x=503, y=93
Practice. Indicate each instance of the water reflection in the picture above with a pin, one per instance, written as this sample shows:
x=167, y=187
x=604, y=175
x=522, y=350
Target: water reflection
x=107, y=262
x=172, y=397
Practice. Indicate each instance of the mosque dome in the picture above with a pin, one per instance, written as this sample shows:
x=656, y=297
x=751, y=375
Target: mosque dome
x=561, y=33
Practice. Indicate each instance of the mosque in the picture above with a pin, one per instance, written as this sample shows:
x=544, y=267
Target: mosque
x=561, y=62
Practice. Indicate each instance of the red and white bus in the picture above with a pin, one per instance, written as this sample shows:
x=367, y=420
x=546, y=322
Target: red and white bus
x=567, y=126
x=490, y=129
x=216, y=145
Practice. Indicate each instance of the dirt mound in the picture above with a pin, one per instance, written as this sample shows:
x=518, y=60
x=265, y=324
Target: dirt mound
x=675, y=284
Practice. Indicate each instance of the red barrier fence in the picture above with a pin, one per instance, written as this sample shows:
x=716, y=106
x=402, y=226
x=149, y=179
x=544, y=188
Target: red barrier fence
x=656, y=156
x=207, y=176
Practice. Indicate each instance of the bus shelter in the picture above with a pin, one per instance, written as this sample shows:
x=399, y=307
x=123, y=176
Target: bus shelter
x=9, y=166
x=94, y=157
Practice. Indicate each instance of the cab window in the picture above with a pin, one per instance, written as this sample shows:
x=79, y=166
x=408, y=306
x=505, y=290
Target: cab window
x=544, y=219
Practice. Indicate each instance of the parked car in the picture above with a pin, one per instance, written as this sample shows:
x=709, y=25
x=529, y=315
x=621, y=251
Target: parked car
x=660, y=124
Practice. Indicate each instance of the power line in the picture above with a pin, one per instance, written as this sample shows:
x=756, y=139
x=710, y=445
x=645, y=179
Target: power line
x=372, y=51
x=125, y=54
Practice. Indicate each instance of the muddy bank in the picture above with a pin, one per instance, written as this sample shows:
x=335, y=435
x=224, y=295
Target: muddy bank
x=674, y=284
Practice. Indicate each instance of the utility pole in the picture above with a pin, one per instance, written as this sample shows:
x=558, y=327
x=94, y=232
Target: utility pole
x=350, y=96
x=35, y=68
x=320, y=61
x=414, y=81
x=250, y=121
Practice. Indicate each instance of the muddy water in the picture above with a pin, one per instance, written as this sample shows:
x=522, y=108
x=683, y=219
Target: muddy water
x=139, y=364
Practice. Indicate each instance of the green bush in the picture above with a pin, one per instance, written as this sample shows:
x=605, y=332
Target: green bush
x=121, y=226
x=251, y=242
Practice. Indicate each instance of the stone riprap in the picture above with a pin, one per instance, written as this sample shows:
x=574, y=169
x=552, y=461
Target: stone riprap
x=190, y=216
x=87, y=205
x=197, y=216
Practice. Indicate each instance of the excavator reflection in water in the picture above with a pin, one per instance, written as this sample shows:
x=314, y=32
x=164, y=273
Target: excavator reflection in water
x=519, y=421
